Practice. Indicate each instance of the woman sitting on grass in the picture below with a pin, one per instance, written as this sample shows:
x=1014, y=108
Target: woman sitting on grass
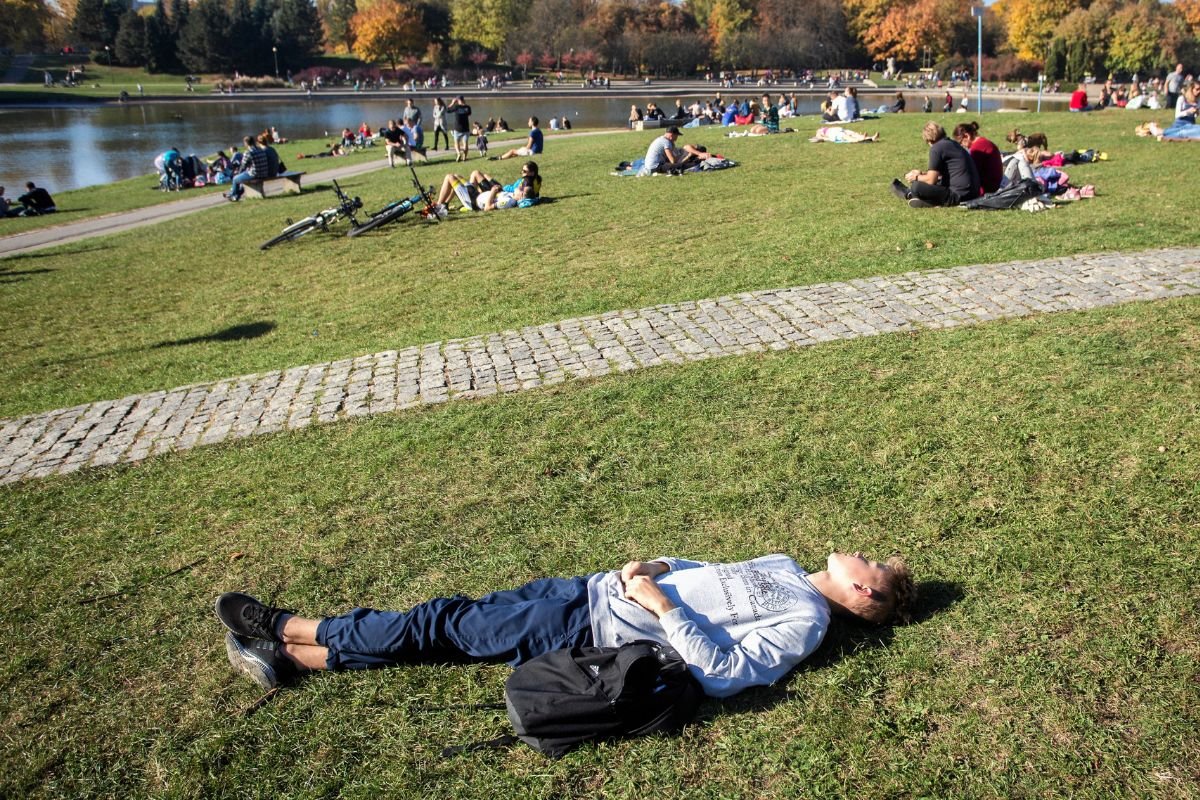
x=482, y=192
x=985, y=155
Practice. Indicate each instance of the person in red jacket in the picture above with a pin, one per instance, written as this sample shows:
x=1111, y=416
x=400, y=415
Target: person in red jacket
x=986, y=156
x=1079, y=99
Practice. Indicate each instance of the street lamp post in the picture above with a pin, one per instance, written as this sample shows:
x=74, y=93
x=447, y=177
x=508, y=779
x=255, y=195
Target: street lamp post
x=275, y=53
x=977, y=13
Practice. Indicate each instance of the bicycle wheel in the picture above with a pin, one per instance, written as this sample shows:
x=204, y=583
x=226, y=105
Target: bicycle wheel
x=292, y=232
x=381, y=219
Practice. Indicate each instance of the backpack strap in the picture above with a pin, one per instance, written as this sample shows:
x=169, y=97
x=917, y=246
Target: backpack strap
x=507, y=740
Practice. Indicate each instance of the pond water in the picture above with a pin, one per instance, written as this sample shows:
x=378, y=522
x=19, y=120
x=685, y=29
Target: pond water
x=71, y=147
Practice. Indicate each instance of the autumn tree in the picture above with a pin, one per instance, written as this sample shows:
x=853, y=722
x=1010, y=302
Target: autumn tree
x=910, y=26
x=1135, y=40
x=487, y=22
x=1189, y=10
x=388, y=31
x=1031, y=24
x=23, y=24
x=726, y=19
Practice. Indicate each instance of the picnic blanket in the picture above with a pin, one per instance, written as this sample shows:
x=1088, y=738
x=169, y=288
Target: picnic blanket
x=627, y=169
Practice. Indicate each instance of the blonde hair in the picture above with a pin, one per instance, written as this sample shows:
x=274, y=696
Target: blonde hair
x=892, y=602
x=932, y=132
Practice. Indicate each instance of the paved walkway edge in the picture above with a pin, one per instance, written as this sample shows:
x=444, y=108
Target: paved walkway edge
x=139, y=426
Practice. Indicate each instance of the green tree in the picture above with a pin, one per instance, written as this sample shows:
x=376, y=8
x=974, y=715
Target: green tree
x=1078, y=61
x=89, y=27
x=336, y=15
x=177, y=18
x=1056, y=60
x=130, y=46
x=297, y=32
x=487, y=22
x=159, y=43
x=251, y=47
x=1136, y=38
x=204, y=43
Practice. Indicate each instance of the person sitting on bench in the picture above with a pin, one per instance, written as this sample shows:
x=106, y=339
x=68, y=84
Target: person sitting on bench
x=255, y=166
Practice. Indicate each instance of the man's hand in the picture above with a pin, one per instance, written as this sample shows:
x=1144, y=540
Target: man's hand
x=642, y=590
x=651, y=569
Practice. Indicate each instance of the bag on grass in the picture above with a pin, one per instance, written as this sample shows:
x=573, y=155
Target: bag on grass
x=1011, y=196
x=564, y=698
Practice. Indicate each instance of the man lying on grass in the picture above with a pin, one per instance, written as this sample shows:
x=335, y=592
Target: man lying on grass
x=736, y=625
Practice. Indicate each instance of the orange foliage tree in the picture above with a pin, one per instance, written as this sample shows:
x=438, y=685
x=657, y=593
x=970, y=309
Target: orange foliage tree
x=903, y=28
x=388, y=30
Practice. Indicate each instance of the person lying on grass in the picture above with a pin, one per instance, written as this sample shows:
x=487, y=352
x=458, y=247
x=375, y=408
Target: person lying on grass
x=662, y=155
x=736, y=625
x=482, y=192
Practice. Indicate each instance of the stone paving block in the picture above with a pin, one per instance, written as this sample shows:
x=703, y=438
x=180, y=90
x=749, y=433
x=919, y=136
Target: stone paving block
x=136, y=427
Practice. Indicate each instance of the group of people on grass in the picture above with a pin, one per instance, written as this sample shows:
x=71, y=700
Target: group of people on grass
x=965, y=165
x=35, y=202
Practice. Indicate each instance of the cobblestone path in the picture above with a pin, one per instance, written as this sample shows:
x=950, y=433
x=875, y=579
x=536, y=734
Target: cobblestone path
x=134, y=428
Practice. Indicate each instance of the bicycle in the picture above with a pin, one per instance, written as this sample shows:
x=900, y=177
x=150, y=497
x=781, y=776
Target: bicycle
x=322, y=219
x=398, y=208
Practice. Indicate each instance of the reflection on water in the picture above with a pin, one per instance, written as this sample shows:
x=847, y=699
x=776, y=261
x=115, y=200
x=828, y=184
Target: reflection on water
x=66, y=148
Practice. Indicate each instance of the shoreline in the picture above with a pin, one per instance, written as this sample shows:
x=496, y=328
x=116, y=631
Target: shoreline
x=678, y=89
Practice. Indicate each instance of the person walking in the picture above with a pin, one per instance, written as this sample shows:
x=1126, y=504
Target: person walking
x=460, y=114
x=439, y=122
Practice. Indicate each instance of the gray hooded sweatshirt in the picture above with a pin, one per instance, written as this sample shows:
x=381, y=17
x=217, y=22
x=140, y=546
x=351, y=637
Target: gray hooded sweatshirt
x=736, y=625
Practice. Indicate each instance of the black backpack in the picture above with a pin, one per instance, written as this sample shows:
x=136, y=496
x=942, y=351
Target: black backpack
x=564, y=698
x=1010, y=196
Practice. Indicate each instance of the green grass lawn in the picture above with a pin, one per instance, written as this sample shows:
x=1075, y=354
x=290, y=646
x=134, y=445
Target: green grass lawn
x=81, y=323
x=1039, y=474
x=100, y=81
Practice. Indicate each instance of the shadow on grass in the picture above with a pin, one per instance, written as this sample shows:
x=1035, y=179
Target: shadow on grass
x=234, y=333
x=57, y=252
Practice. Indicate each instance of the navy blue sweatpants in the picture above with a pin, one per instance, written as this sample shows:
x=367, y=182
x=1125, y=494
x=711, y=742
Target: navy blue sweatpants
x=511, y=626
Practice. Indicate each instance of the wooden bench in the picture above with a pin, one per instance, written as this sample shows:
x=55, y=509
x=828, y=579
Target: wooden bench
x=283, y=183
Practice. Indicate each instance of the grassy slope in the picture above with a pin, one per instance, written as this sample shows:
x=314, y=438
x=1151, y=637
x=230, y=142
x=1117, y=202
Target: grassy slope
x=141, y=192
x=81, y=323
x=1040, y=474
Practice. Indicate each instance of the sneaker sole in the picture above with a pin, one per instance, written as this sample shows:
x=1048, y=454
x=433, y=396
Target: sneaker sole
x=917, y=202
x=249, y=664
